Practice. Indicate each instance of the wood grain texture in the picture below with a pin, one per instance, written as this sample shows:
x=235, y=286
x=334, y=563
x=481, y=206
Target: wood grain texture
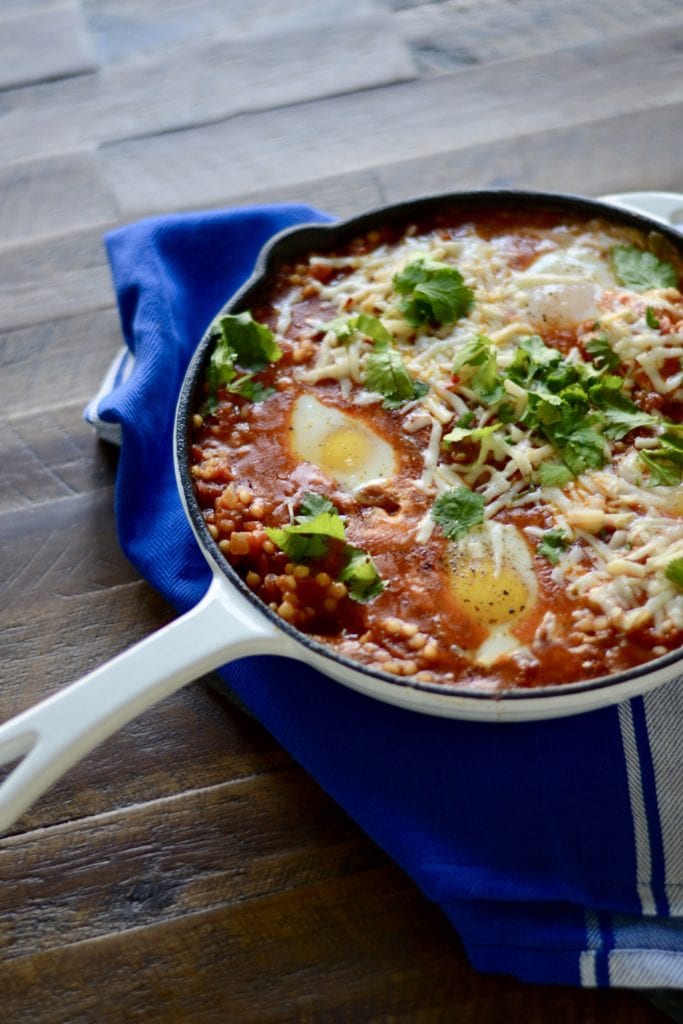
x=502, y=101
x=50, y=197
x=456, y=34
x=209, y=81
x=58, y=360
x=588, y=159
x=121, y=29
x=365, y=949
x=44, y=45
x=40, y=283
x=188, y=869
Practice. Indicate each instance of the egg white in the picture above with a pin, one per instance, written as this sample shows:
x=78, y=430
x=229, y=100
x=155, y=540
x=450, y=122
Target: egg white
x=343, y=446
x=564, y=287
x=492, y=577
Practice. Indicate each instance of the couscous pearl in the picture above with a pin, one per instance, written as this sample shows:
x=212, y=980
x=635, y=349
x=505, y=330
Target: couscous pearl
x=239, y=543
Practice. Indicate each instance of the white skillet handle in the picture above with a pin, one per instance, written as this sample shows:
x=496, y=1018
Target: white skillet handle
x=664, y=206
x=55, y=734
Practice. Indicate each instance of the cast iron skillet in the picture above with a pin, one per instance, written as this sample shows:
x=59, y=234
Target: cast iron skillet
x=230, y=622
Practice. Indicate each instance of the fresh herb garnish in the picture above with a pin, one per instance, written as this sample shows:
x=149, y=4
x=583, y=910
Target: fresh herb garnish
x=552, y=543
x=471, y=433
x=384, y=370
x=619, y=415
x=309, y=535
x=360, y=575
x=476, y=364
x=457, y=511
x=253, y=343
x=674, y=572
x=651, y=319
x=534, y=360
x=641, y=270
x=346, y=326
x=316, y=524
x=239, y=339
x=249, y=388
x=386, y=373
x=665, y=462
x=554, y=474
x=433, y=292
x=604, y=357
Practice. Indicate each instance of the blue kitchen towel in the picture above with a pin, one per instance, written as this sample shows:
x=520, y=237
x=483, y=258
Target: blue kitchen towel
x=554, y=847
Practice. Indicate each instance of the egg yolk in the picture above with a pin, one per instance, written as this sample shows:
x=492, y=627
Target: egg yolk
x=493, y=599
x=345, y=449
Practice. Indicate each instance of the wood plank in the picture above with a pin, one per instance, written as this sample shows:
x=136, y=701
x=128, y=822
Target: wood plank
x=455, y=34
x=123, y=28
x=199, y=850
x=52, y=287
x=28, y=50
x=49, y=455
x=48, y=197
x=296, y=145
x=57, y=360
x=44, y=282
x=365, y=947
x=210, y=81
x=629, y=152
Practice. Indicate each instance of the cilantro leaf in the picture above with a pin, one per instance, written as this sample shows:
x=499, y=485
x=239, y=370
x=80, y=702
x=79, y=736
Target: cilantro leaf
x=385, y=373
x=221, y=367
x=249, y=388
x=316, y=523
x=239, y=339
x=664, y=472
x=674, y=572
x=360, y=575
x=471, y=434
x=651, y=319
x=476, y=364
x=665, y=463
x=313, y=504
x=346, y=327
x=434, y=292
x=581, y=448
x=252, y=343
x=457, y=511
x=603, y=354
x=620, y=415
x=640, y=270
x=553, y=542
x=533, y=359
x=342, y=326
x=554, y=474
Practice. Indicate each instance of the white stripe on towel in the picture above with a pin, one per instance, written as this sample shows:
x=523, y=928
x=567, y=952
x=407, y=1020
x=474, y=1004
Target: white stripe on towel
x=640, y=826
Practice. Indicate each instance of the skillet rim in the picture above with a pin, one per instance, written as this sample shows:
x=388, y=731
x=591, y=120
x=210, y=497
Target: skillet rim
x=302, y=238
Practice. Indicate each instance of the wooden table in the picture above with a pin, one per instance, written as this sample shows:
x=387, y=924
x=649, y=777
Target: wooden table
x=188, y=870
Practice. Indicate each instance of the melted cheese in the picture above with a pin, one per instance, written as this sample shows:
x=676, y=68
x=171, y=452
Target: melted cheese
x=569, y=284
